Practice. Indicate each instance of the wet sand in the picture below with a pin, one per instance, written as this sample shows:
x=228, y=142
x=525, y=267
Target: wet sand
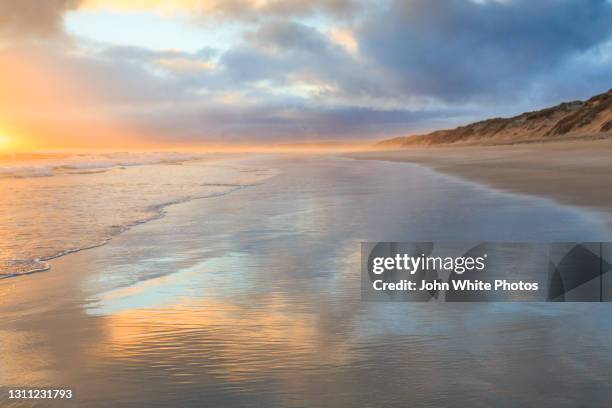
x=571, y=172
x=252, y=299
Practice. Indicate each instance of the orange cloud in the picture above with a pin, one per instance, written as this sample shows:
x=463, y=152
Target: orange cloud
x=173, y=5
x=229, y=8
x=33, y=17
x=344, y=38
x=186, y=64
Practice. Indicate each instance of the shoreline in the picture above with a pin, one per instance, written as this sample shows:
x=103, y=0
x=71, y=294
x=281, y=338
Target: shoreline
x=157, y=212
x=154, y=212
x=575, y=173
x=195, y=284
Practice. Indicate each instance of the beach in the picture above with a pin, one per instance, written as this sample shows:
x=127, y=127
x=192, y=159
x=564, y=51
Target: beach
x=573, y=172
x=252, y=298
x=295, y=204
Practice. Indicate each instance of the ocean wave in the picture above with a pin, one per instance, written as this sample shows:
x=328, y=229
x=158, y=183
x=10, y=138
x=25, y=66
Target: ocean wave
x=13, y=268
x=51, y=165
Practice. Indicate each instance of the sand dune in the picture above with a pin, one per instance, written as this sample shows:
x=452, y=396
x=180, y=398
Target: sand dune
x=569, y=120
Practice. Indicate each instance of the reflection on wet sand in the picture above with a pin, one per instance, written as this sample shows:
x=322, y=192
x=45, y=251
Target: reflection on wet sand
x=253, y=299
x=234, y=343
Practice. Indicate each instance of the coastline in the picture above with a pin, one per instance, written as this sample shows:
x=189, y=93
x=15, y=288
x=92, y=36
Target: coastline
x=143, y=212
x=207, y=283
x=573, y=172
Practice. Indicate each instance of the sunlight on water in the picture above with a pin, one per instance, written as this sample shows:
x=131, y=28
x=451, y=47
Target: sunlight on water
x=57, y=205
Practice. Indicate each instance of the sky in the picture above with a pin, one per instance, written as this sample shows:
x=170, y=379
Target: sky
x=117, y=73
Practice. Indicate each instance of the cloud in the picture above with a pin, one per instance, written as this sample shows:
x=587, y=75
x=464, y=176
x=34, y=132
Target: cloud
x=490, y=57
x=455, y=50
x=279, y=49
x=79, y=93
x=250, y=10
x=267, y=122
x=396, y=68
x=292, y=55
x=345, y=38
x=33, y=17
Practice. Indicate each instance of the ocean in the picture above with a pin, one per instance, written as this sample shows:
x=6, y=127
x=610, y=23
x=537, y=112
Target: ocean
x=57, y=204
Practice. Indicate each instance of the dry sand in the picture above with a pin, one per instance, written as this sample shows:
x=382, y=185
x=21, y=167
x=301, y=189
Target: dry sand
x=575, y=172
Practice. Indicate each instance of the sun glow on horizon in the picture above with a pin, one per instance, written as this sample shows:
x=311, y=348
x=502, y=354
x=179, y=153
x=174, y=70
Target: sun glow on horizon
x=12, y=140
x=6, y=142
